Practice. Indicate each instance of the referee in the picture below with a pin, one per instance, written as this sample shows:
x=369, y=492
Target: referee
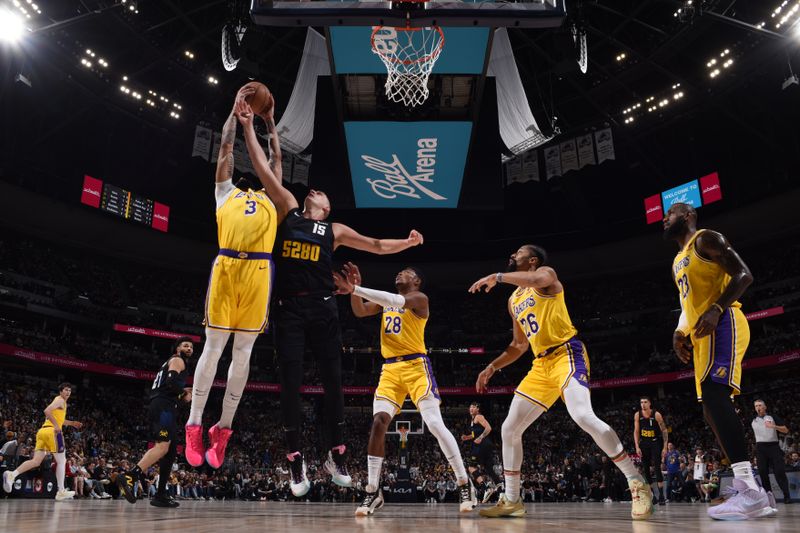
x=766, y=428
x=304, y=308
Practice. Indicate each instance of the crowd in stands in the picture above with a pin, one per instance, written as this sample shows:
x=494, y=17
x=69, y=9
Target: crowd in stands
x=561, y=462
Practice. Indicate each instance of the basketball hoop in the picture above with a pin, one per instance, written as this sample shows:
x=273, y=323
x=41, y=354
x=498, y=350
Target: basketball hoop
x=403, y=431
x=409, y=55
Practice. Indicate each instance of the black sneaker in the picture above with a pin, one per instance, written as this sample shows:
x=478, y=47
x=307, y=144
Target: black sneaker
x=163, y=500
x=469, y=500
x=126, y=482
x=372, y=502
x=661, y=501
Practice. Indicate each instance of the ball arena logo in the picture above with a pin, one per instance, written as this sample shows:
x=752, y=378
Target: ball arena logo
x=399, y=181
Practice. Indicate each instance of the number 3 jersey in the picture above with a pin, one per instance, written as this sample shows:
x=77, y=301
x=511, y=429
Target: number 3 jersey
x=700, y=282
x=402, y=332
x=304, y=257
x=246, y=221
x=543, y=318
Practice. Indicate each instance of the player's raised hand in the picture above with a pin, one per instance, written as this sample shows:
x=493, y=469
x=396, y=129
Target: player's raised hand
x=343, y=285
x=487, y=281
x=353, y=273
x=244, y=113
x=415, y=238
x=244, y=92
x=483, y=379
x=682, y=346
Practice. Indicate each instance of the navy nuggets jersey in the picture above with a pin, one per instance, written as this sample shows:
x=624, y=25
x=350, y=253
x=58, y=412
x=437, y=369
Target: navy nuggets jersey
x=304, y=256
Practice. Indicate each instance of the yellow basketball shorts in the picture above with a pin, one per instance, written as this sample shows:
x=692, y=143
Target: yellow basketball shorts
x=47, y=441
x=550, y=374
x=719, y=356
x=238, y=294
x=409, y=375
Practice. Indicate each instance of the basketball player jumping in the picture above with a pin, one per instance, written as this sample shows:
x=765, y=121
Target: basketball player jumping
x=406, y=372
x=238, y=295
x=49, y=439
x=306, y=310
x=713, y=333
x=167, y=389
x=651, y=443
x=560, y=369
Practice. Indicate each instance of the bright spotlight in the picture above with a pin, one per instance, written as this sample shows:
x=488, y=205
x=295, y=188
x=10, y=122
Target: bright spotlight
x=11, y=27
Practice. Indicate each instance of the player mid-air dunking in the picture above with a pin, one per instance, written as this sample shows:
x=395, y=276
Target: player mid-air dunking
x=168, y=387
x=305, y=307
x=650, y=436
x=713, y=333
x=407, y=371
x=560, y=369
x=49, y=439
x=238, y=295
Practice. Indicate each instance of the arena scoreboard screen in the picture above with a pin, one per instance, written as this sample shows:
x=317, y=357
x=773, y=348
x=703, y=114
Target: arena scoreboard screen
x=702, y=191
x=124, y=204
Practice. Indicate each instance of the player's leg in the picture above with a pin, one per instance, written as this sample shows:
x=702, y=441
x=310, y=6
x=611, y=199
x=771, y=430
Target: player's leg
x=383, y=412
x=61, y=468
x=238, y=372
x=30, y=464
x=325, y=339
x=290, y=345
x=659, y=474
x=162, y=497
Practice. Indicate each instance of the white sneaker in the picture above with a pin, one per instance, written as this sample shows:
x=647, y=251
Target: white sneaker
x=608, y=500
x=8, y=481
x=469, y=500
x=642, y=499
x=299, y=483
x=488, y=493
x=372, y=502
x=772, y=502
x=93, y=495
x=64, y=495
x=747, y=503
x=338, y=473
x=105, y=496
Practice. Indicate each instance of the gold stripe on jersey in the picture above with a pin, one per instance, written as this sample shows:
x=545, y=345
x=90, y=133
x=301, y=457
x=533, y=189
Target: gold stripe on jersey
x=402, y=332
x=543, y=318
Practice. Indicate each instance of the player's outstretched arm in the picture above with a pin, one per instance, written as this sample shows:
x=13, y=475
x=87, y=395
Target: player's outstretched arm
x=517, y=347
x=345, y=283
x=715, y=247
x=283, y=199
x=347, y=236
x=540, y=278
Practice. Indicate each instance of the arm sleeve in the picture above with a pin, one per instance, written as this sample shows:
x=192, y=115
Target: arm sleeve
x=683, y=324
x=385, y=299
x=222, y=190
x=173, y=383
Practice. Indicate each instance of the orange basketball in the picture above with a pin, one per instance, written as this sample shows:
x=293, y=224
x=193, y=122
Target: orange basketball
x=261, y=101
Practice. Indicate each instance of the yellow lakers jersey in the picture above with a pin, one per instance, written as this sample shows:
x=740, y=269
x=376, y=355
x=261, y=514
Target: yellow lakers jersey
x=247, y=222
x=700, y=282
x=543, y=318
x=402, y=332
x=59, y=414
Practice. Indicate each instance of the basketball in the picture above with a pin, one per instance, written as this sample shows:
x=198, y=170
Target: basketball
x=261, y=101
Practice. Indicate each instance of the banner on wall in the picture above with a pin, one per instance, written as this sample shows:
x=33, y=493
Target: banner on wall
x=585, y=151
x=569, y=156
x=215, y=147
x=202, y=142
x=514, y=168
x=605, y=145
x=149, y=332
x=552, y=161
x=530, y=165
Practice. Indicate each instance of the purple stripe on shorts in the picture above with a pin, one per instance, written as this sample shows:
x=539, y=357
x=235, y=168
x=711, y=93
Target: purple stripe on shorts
x=723, y=349
x=578, y=360
x=434, y=386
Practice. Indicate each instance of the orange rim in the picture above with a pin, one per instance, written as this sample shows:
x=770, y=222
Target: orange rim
x=428, y=57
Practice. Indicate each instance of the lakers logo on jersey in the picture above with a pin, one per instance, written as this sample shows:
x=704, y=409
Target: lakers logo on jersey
x=543, y=318
x=721, y=372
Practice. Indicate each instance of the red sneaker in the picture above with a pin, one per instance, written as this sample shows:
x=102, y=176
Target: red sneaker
x=194, y=445
x=218, y=437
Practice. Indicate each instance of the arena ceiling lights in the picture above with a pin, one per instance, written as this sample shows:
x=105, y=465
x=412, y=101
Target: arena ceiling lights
x=716, y=65
x=653, y=103
x=785, y=16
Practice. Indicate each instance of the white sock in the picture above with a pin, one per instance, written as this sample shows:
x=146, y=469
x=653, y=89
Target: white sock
x=61, y=465
x=512, y=487
x=627, y=467
x=15, y=473
x=432, y=417
x=204, y=373
x=238, y=373
x=744, y=471
x=374, y=465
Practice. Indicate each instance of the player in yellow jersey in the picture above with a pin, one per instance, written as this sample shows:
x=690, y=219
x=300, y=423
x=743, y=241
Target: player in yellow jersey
x=50, y=439
x=237, y=301
x=407, y=371
x=713, y=332
x=560, y=370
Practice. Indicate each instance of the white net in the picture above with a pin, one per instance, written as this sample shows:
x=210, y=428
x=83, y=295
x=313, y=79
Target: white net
x=409, y=55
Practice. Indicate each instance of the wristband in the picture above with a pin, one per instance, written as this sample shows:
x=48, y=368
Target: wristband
x=499, y=277
x=718, y=307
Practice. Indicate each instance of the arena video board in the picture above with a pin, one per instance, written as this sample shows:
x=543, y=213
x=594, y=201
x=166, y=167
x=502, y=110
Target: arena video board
x=124, y=204
x=419, y=164
x=696, y=193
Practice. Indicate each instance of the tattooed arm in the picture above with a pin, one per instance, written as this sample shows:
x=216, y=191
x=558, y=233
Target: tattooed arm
x=225, y=158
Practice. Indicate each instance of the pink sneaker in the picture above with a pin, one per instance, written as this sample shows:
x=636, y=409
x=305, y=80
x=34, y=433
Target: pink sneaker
x=747, y=503
x=194, y=445
x=218, y=437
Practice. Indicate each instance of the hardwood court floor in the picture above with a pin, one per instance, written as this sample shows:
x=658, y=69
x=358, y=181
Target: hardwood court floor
x=23, y=516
